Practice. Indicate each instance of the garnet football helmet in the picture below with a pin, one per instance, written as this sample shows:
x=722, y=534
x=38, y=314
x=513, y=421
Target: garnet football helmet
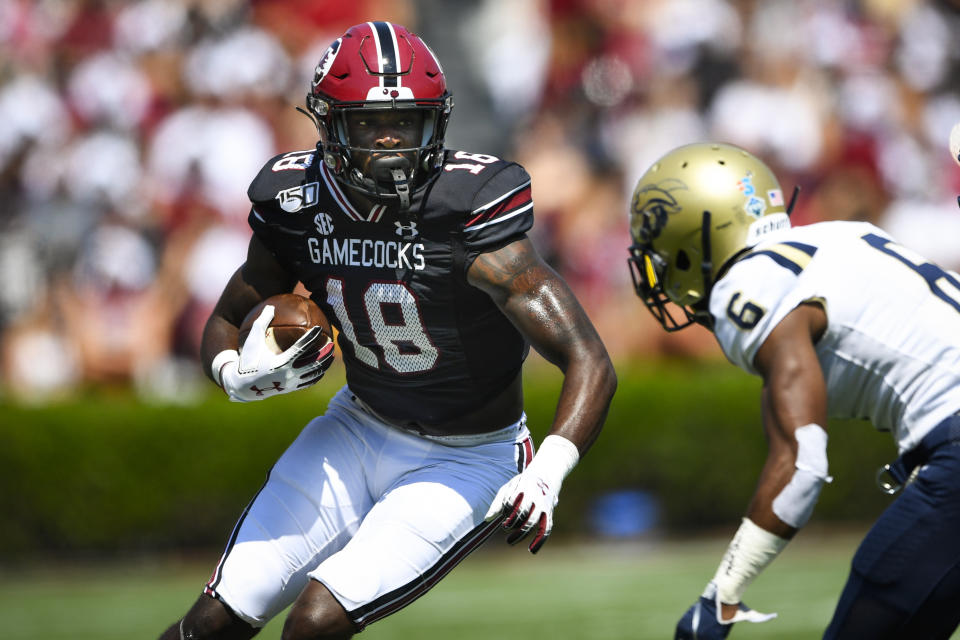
x=380, y=65
x=695, y=210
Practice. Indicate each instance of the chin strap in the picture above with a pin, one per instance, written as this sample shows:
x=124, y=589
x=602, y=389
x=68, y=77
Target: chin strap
x=796, y=192
x=706, y=263
x=402, y=186
x=312, y=117
x=702, y=316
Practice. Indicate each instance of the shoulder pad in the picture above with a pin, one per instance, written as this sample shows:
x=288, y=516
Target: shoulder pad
x=749, y=302
x=466, y=178
x=284, y=173
x=497, y=207
x=504, y=190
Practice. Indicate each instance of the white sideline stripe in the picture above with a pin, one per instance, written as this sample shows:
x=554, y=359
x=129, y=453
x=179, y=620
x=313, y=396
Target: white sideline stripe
x=376, y=41
x=501, y=218
x=504, y=196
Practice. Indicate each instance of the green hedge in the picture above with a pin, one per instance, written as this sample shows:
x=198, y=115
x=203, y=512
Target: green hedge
x=690, y=433
x=108, y=473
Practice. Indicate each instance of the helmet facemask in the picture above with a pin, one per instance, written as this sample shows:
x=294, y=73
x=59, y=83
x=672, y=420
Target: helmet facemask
x=391, y=174
x=648, y=270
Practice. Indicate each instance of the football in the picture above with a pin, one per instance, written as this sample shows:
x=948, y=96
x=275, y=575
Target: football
x=293, y=315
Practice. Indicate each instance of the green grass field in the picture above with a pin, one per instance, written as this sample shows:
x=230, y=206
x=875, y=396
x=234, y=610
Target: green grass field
x=591, y=591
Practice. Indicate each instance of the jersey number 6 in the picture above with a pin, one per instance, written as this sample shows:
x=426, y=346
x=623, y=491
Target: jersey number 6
x=943, y=284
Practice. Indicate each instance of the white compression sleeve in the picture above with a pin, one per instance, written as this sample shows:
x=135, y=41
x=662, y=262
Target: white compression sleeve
x=795, y=503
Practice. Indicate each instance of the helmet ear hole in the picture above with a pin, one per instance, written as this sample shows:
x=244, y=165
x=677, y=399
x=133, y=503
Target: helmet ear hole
x=683, y=260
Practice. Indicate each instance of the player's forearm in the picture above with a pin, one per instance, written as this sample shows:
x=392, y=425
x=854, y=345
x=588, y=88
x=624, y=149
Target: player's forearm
x=786, y=494
x=569, y=341
x=762, y=534
x=760, y=538
x=222, y=330
x=777, y=472
x=752, y=549
x=797, y=465
x=218, y=335
x=588, y=388
x=543, y=308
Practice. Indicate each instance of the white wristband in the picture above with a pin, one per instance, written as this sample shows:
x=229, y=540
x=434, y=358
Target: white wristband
x=224, y=357
x=555, y=458
x=749, y=553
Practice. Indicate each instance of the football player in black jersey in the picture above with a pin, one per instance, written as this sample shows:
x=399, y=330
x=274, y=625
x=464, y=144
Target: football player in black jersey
x=419, y=256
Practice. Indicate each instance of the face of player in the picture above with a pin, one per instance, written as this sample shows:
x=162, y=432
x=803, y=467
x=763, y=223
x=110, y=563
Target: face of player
x=383, y=130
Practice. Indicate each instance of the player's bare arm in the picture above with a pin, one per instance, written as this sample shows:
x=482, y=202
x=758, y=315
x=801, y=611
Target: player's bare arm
x=794, y=395
x=253, y=371
x=884, y=358
x=794, y=406
x=545, y=311
x=260, y=277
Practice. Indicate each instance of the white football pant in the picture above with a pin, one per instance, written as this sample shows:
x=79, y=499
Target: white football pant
x=376, y=514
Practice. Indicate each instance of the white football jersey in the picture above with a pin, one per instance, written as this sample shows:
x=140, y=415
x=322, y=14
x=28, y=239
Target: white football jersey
x=891, y=351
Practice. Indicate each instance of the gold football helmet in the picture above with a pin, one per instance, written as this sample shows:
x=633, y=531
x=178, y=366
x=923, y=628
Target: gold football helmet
x=694, y=211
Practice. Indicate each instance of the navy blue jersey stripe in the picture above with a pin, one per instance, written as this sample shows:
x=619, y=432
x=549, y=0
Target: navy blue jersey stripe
x=388, y=54
x=806, y=248
x=779, y=259
x=932, y=273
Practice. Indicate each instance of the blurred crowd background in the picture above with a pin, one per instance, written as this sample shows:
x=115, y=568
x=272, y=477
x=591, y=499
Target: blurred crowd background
x=129, y=131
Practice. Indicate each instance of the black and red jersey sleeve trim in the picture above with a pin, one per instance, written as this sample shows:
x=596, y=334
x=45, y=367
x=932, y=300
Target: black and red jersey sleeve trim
x=510, y=204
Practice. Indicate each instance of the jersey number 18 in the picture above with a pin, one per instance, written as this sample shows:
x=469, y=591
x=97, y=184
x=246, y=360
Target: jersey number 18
x=406, y=346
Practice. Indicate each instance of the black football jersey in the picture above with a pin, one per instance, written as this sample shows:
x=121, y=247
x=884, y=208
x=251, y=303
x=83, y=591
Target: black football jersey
x=419, y=343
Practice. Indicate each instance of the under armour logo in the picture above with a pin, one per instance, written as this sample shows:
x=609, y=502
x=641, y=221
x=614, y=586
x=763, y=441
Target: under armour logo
x=323, y=223
x=405, y=230
x=544, y=487
x=276, y=387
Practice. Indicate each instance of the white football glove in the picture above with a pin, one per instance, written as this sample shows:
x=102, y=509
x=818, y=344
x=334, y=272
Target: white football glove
x=257, y=373
x=529, y=497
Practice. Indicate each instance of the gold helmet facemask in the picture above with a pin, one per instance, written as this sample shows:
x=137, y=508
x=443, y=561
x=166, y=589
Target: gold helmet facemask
x=692, y=213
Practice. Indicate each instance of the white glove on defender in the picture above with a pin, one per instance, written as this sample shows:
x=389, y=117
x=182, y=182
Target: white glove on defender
x=257, y=373
x=529, y=497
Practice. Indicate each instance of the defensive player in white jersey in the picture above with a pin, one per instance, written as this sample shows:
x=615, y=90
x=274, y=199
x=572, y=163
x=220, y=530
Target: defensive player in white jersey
x=840, y=321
